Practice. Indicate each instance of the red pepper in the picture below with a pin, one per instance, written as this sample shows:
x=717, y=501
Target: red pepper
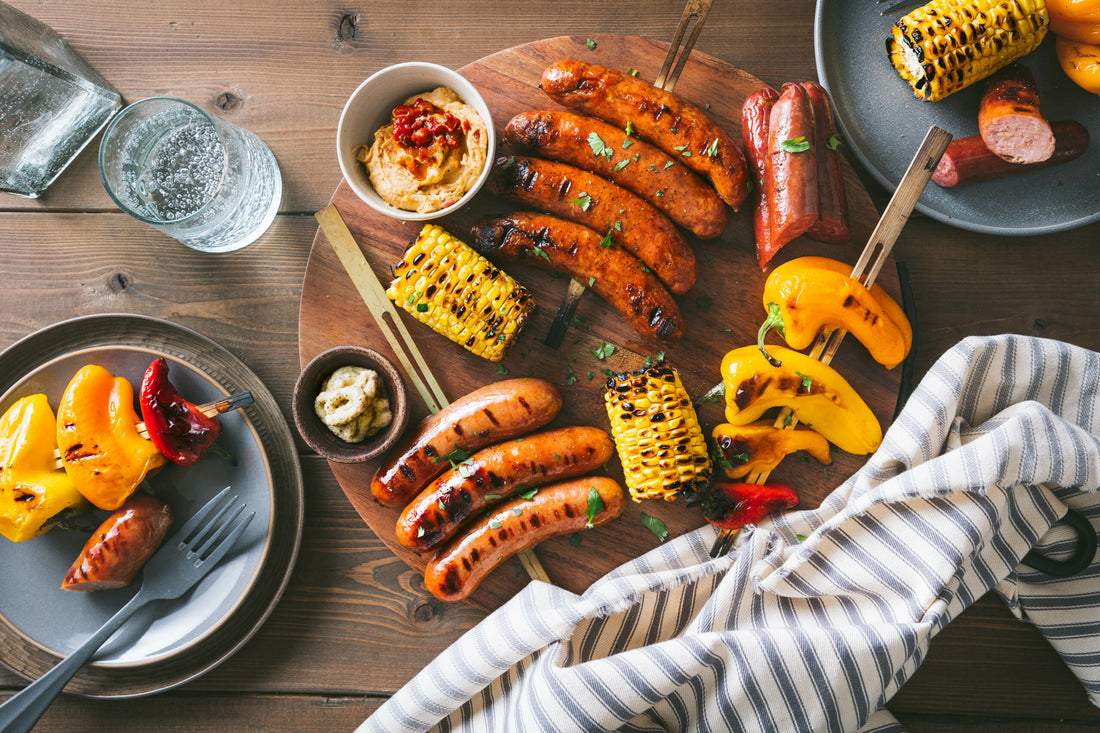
x=733, y=505
x=177, y=427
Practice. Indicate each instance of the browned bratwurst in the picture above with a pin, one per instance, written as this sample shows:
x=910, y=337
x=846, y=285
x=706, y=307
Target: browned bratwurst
x=832, y=206
x=616, y=276
x=496, y=473
x=585, y=198
x=634, y=164
x=457, y=569
x=487, y=415
x=755, y=115
x=665, y=119
x=118, y=549
x=1009, y=120
x=968, y=160
x=792, y=166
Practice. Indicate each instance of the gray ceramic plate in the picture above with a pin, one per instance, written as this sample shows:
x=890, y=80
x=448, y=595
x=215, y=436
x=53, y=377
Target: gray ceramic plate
x=167, y=642
x=883, y=123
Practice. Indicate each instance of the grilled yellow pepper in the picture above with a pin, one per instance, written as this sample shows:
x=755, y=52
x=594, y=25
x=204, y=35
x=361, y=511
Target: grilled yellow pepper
x=103, y=453
x=760, y=446
x=814, y=293
x=818, y=396
x=32, y=489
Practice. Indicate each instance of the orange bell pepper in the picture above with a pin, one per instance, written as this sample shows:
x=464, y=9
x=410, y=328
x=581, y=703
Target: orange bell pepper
x=760, y=446
x=102, y=451
x=1081, y=62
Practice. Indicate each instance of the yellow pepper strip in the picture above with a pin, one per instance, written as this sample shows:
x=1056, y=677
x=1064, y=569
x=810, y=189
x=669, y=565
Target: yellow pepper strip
x=816, y=293
x=760, y=446
x=818, y=396
x=32, y=489
x=103, y=453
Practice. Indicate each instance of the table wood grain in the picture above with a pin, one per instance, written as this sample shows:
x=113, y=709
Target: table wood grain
x=355, y=622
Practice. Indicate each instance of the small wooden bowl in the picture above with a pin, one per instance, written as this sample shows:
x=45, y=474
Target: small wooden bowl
x=317, y=435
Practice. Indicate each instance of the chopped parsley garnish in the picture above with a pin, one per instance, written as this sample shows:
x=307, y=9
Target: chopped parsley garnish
x=501, y=369
x=466, y=469
x=606, y=241
x=583, y=200
x=622, y=164
x=800, y=537
x=656, y=526
x=575, y=539
x=526, y=492
x=517, y=511
x=834, y=142
x=591, y=375
x=442, y=506
x=591, y=44
x=492, y=497
x=595, y=506
x=570, y=377
x=599, y=147
x=704, y=302
x=419, y=531
x=607, y=372
x=632, y=72
x=421, y=307
x=712, y=149
x=627, y=142
x=455, y=456
x=604, y=350
x=591, y=281
x=629, y=127
x=669, y=164
x=807, y=382
x=494, y=525
x=796, y=145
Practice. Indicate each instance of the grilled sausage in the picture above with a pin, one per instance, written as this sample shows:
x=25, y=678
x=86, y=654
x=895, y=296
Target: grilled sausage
x=119, y=548
x=457, y=569
x=1009, y=120
x=755, y=114
x=496, y=473
x=587, y=199
x=634, y=164
x=487, y=415
x=832, y=207
x=792, y=174
x=616, y=276
x=968, y=160
x=665, y=119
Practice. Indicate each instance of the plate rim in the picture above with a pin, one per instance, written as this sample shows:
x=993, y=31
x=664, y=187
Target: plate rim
x=284, y=535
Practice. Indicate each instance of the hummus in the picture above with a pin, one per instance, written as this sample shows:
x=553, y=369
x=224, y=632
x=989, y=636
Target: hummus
x=430, y=155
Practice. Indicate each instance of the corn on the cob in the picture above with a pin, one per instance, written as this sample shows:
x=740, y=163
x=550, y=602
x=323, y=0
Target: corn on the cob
x=445, y=284
x=946, y=45
x=656, y=433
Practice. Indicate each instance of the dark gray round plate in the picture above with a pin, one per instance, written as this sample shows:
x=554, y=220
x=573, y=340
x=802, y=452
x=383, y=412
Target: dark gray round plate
x=167, y=642
x=883, y=123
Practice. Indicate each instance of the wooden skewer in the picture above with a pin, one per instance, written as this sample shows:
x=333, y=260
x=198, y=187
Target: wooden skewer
x=666, y=79
x=370, y=289
x=210, y=409
x=866, y=269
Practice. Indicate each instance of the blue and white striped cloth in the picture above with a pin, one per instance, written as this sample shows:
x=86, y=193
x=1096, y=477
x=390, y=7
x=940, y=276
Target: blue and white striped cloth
x=814, y=634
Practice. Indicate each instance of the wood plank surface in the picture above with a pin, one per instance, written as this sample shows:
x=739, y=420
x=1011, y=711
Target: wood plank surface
x=356, y=623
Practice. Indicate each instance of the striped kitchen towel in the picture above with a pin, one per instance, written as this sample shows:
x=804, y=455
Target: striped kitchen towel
x=817, y=617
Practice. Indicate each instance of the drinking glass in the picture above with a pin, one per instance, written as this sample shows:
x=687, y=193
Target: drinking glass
x=208, y=183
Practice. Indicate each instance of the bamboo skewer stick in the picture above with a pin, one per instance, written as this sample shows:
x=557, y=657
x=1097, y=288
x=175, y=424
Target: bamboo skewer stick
x=666, y=79
x=874, y=256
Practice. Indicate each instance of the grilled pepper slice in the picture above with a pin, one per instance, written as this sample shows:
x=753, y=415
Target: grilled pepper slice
x=733, y=505
x=97, y=434
x=177, y=427
x=815, y=293
x=32, y=489
x=760, y=446
x=819, y=397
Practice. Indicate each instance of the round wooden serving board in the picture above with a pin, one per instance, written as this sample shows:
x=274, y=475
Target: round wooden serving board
x=722, y=311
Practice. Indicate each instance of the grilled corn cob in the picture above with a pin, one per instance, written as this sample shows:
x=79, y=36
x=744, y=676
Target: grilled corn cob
x=656, y=433
x=946, y=45
x=460, y=294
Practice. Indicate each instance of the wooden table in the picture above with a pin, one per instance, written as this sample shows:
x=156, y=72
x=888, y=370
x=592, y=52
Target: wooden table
x=355, y=623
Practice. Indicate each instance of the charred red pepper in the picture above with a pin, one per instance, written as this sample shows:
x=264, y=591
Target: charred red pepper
x=177, y=427
x=733, y=505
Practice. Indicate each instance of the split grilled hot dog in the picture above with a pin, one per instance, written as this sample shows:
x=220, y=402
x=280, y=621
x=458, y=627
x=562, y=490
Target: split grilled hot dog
x=1009, y=120
x=634, y=164
x=792, y=166
x=118, y=549
x=616, y=276
x=495, y=473
x=587, y=199
x=457, y=569
x=755, y=114
x=832, y=208
x=487, y=415
x=968, y=160
x=665, y=119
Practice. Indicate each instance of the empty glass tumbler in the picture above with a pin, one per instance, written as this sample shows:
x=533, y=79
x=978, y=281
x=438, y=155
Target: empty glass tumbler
x=208, y=183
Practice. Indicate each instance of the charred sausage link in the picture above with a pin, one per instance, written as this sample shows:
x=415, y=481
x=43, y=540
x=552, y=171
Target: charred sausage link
x=792, y=166
x=755, y=114
x=832, y=206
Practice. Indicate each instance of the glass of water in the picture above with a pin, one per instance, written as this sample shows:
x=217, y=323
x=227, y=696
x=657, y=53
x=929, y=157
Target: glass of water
x=210, y=184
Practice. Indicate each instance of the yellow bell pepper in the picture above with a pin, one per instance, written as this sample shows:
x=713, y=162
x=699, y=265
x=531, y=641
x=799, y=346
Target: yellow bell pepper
x=815, y=293
x=760, y=446
x=103, y=453
x=819, y=397
x=32, y=489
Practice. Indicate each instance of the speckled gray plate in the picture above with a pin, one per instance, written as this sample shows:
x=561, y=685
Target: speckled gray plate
x=883, y=123
x=167, y=642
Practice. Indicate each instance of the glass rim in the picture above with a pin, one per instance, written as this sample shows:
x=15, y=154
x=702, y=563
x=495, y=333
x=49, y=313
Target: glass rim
x=126, y=209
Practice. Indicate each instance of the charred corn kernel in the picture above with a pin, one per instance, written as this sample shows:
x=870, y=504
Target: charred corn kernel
x=946, y=45
x=817, y=293
x=760, y=446
x=460, y=294
x=656, y=433
x=818, y=396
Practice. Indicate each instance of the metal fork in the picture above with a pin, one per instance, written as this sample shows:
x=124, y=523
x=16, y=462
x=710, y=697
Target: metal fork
x=177, y=566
